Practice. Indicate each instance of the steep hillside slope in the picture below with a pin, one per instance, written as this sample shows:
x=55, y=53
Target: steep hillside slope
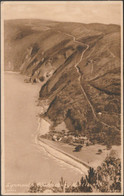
x=80, y=67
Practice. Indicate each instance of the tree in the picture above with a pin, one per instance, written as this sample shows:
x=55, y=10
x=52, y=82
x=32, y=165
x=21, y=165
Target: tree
x=62, y=184
x=78, y=148
x=109, y=146
x=84, y=186
x=99, y=151
x=92, y=176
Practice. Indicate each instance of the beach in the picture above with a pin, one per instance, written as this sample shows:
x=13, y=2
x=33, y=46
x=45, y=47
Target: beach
x=25, y=162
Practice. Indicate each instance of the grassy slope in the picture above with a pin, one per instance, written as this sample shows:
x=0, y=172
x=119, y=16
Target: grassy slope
x=41, y=49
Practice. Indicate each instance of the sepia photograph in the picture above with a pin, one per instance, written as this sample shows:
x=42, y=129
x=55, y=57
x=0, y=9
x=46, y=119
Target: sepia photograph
x=61, y=97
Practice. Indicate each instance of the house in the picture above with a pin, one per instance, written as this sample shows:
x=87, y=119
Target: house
x=84, y=138
x=54, y=138
x=59, y=139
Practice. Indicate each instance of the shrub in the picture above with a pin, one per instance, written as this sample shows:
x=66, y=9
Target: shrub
x=106, y=178
x=42, y=78
x=78, y=148
x=99, y=151
x=109, y=146
x=85, y=186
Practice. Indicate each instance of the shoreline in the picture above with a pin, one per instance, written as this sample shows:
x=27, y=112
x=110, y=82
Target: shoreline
x=63, y=153
x=13, y=72
x=59, y=155
x=70, y=156
x=36, y=165
x=56, y=152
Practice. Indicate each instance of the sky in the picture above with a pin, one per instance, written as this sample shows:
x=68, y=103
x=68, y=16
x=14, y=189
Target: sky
x=81, y=11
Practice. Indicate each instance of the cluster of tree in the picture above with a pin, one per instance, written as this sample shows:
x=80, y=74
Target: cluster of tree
x=103, y=135
x=106, y=178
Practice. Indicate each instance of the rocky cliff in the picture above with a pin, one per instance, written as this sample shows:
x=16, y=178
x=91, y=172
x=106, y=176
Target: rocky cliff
x=80, y=67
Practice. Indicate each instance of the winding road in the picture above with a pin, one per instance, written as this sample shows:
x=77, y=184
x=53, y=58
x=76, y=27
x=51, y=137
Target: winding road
x=78, y=71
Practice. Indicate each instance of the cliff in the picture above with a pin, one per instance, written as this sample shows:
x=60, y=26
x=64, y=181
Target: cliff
x=80, y=67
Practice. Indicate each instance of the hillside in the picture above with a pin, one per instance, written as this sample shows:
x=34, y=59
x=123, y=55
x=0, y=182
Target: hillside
x=79, y=65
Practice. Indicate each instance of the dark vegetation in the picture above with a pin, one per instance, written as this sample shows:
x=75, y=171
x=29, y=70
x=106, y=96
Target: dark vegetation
x=78, y=148
x=42, y=50
x=105, y=179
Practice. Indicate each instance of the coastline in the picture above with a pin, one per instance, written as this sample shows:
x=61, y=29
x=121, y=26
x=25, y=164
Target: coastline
x=56, y=152
x=13, y=72
x=35, y=165
x=52, y=150
x=62, y=156
x=82, y=160
x=21, y=117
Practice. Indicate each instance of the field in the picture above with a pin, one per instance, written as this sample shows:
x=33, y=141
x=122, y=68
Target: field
x=88, y=154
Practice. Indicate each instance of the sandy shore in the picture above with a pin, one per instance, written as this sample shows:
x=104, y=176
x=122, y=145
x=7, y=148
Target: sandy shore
x=43, y=128
x=25, y=162
x=63, y=157
x=82, y=160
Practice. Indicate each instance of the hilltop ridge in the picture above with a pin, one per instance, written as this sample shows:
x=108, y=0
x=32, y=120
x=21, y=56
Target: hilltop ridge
x=79, y=66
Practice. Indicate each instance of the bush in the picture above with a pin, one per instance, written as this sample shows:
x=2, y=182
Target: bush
x=78, y=148
x=42, y=78
x=109, y=146
x=34, y=188
x=85, y=186
x=106, y=178
x=99, y=151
